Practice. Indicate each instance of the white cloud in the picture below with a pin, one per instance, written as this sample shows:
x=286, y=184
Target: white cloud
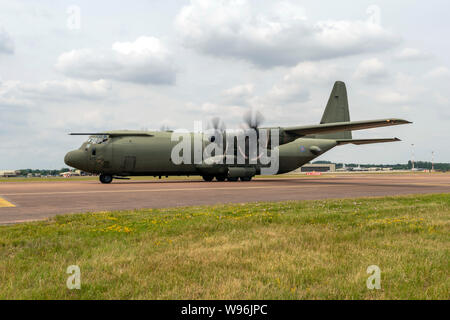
x=293, y=87
x=441, y=99
x=6, y=43
x=438, y=72
x=371, y=71
x=25, y=94
x=223, y=41
x=145, y=61
x=225, y=111
x=206, y=107
x=287, y=91
x=290, y=91
x=313, y=72
x=392, y=97
x=68, y=89
x=409, y=54
x=277, y=37
x=239, y=94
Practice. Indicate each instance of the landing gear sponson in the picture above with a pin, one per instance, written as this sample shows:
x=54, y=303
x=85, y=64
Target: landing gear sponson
x=231, y=174
x=106, y=178
x=223, y=178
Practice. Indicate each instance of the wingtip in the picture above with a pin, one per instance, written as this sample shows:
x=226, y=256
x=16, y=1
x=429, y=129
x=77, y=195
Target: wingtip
x=398, y=121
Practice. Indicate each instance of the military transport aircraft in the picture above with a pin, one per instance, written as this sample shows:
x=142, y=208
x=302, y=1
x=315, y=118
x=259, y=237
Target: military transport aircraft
x=120, y=154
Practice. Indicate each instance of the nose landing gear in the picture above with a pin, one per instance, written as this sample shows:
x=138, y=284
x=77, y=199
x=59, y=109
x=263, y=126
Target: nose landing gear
x=106, y=178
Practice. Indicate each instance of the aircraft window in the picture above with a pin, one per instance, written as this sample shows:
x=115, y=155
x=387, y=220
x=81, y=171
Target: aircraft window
x=98, y=139
x=94, y=151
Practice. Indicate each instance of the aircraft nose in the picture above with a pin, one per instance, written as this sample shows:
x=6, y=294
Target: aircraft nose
x=74, y=159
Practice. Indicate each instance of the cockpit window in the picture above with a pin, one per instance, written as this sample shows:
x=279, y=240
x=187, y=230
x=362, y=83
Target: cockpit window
x=98, y=139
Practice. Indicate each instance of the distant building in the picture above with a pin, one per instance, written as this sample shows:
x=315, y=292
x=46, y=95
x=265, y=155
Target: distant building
x=317, y=167
x=68, y=174
x=75, y=173
x=9, y=173
x=31, y=175
x=379, y=169
x=358, y=168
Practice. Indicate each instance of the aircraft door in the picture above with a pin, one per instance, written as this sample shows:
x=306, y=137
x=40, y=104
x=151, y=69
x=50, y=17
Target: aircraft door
x=100, y=156
x=92, y=156
x=129, y=164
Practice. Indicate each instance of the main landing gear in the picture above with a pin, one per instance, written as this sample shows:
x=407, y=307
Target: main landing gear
x=223, y=178
x=208, y=178
x=106, y=178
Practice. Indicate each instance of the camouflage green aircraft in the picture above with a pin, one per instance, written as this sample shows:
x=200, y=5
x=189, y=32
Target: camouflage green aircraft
x=120, y=154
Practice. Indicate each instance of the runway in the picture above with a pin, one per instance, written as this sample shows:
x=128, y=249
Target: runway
x=28, y=201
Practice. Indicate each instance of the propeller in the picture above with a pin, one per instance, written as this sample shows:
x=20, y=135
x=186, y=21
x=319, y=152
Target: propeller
x=165, y=128
x=217, y=124
x=253, y=119
x=219, y=128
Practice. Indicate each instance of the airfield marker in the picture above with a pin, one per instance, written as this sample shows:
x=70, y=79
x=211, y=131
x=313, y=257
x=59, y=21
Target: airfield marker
x=5, y=204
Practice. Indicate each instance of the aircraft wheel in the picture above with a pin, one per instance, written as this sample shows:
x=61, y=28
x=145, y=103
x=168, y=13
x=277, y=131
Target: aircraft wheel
x=208, y=178
x=246, y=178
x=232, y=179
x=221, y=178
x=106, y=178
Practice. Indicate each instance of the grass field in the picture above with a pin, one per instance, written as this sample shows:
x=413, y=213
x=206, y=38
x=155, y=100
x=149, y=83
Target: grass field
x=286, y=250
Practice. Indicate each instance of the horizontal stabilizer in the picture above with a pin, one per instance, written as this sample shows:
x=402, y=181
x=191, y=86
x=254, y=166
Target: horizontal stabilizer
x=341, y=142
x=343, y=126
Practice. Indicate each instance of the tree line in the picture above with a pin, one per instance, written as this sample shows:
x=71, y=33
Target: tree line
x=43, y=172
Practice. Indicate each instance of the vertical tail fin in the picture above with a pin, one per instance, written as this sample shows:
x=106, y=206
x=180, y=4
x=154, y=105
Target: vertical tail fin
x=337, y=111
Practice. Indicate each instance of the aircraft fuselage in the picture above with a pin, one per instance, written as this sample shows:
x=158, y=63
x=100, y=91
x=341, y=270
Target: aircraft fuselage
x=151, y=156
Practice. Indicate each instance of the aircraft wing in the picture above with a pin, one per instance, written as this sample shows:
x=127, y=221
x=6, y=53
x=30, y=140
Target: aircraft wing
x=124, y=133
x=343, y=126
x=341, y=142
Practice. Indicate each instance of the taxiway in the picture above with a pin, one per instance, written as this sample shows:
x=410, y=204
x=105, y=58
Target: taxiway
x=28, y=201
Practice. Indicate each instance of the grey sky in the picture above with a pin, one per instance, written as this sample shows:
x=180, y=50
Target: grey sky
x=148, y=64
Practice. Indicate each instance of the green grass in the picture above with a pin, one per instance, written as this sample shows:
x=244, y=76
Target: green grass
x=285, y=250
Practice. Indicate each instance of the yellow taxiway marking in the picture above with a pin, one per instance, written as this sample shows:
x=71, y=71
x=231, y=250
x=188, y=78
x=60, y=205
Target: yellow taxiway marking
x=5, y=204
